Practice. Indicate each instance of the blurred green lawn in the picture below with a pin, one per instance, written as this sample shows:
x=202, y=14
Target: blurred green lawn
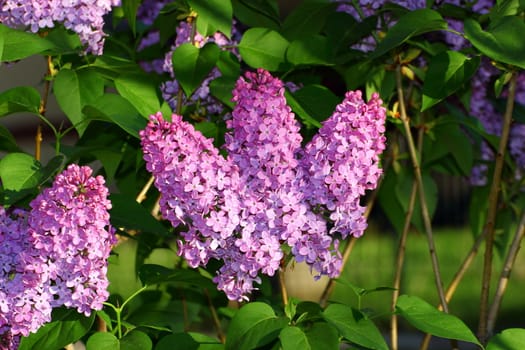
x=372, y=265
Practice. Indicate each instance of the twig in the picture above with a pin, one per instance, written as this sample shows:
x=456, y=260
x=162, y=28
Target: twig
x=421, y=190
x=399, y=264
x=401, y=252
x=142, y=195
x=331, y=284
x=155, y=211
x=456, y=280
x=42, y=109
x=492, y=210
x=282, y=285
x=505, y=274
x=215, y=318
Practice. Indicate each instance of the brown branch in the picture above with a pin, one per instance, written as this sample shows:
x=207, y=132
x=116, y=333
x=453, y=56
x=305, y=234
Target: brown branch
x=142, y=195
x=399, y=264
x=421, y=190
x=282, y=285
x=492, y=211
x=215, y=317
x=401, y=252
x=505, y=274
x=42, y=109
x=458, y=277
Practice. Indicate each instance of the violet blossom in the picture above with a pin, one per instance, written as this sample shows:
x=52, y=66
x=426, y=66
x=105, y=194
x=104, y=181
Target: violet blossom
x=69, y=225
x=25, y=302
x=81, y=16
x=243, y=208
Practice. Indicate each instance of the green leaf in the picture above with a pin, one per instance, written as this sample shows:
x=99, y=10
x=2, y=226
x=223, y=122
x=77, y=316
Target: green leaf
x=177, y=341
x=153, y=274
x=64, y=41
x=19, y=171
x=343, y=30
x=318, y=336
x=67, y=327
x=313, y=50
x=412, y=24
x=390, y=203
x=17, y=44
x=307, y=19
x=354, y=326
x=136, y=340
x=257, y=13
x=313, y=104
x=428, y=319
x=293, y=338
x=254, y=325
x=192, y=65
x=74, y=89
x=264, y=48
x=512, y=338
x=448, y=146
x=7, y=141
x=503, y=42
x=505, y=8
x=130, y=8
x=307, y=119
x=447, y=72
x=19, y=99
x=115, y=108
x=222, y=87
x=188, y=341
x=381, y=81
x=53, y=166
x=213, y=16
x=127, y=213
x=141, y=91
x=323, y=336
x=102, y=341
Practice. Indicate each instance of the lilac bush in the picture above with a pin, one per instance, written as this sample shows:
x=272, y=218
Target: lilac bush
x=265, y=160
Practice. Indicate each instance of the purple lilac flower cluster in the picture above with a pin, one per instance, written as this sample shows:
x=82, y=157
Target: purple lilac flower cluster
x=70, y=226
x=24, y=298
x=55, y=254
x=243, y=208
x=343, y=161
x=84, y=17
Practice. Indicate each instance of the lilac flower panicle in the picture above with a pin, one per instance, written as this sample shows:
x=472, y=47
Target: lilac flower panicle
x=84, y=17
x=342, y=161
x=69, y=224
x=24, y=300
x=241, y=209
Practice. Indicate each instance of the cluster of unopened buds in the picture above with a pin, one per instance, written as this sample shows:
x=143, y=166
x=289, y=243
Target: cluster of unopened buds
x=269, y=191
